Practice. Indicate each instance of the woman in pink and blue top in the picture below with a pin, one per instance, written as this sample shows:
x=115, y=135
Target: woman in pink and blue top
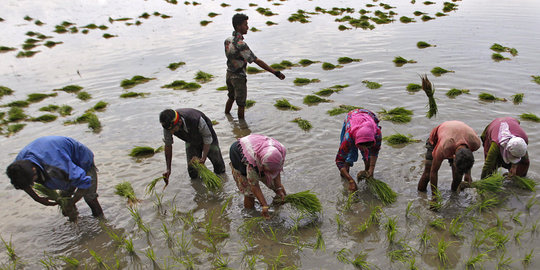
x=257, y=158
x=361, y=131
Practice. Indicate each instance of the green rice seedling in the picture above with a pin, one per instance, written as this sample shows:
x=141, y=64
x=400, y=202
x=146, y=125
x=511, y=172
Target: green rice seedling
x=518, y=235
x=504, y=262
x=397, y=115
x=70, y=88
x=528, y=257
x=220, y=262
x=381, y=190
x=438, y=224
x=63, y=202
x=37, y=97
x=4, y=49
x=438, y=71
x=360, y=261
x=138, y=220
x=340, y=223
x=456, y=227
x=405, y=19
x=174, y=66
x=28, y=46
x=99, y=260
x=372, y=85
x=517, y=98
x=313, y=100
x=107, y=35
x=26, y=54
x=498, y=57
x=428, y=3
x=498, y=47
x=306, y=62
x=287, y=63
x=304, y=201
x=265, y=11
x=319, y=244
x=284, y=104
x=400, y=61
x=168, y=235
x=203, y=77
x=277, y=66
x=513, y=51
x=399, y=139
x=487, y=204
x=49, y=108
x=342, y=109
x=474, y=261
x=343, y=254
x=304, y=81
x=351, y=199
x=9, y=249
x=442, y=246
x=253, y=70
x=454, y=92
x=328, y=66
x=210, y=179
x=14, y=128
x=65, y=110
x=347, y=60
x=204, y=22
x=70, y=261
x=142, y=151
x=440, y=14
x=45, y=118
x=516, y=219
x=534, y=227
x=536, y=79
x=429, y=89
x=304, y=124
x=91, y=119
x=326, y=92
x=530, y=117
x=5, y=91
x=125, y=190
x=100, y=106
x=16, y=114
x=426, y=18
x=408, y=209
x=391, y=229
x=524, y=183
x=158, y=203
x=183, y=85
x=222, y=88
x=84, y=96
x=135, y=80
x=436, y=202
x=425, y=238
x=151, y=255
x=492, y=183
x=270, y=23
x=19, y=103
x=413, y=87
x=150, y=187
x=132, y=95
x=213, y=14
x=342, y=27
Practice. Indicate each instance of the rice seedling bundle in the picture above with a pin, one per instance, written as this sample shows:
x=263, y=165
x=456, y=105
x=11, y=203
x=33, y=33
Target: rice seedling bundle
x=428, y=88
x=381, y=190
x=125, y=189
x=70, y=88
x=19, y=103
x=399, y=138
x=285, y=104
x=253, y=70
x=525, y=183
x=372, y=85
x=139, y=151
x=4, y=91
x=45, y=118
x=135, y=80
x=422, y=44
x=489, y=97
x=150, y=187
x=517, y=98
x=210, y=179
x=304, y=124
x=342, y=109
x=174, y=66
x=530, y=117
x=306, y=62
x=536, y=79
x=84, y=96
x=304, y=81
x=51, y=194
x=312, y=100
x=454, y=92
x=328, y=66
x=346, y=60
x=132, y=95
x=37, y=97
x=325, y=92
x=492, y=183
x=498, y=57
x=438, y=71
x=278, y=66
x=304, y=201
x=16, y=114
x=203, y=77
x=413, y=87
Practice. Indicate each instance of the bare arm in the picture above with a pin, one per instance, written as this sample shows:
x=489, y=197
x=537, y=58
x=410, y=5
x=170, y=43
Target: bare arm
x=205, y=150
x=256, y=190
x=42, y=200
x=372, y=162
x=168, y=158
x=268, y=68
x=344, y=171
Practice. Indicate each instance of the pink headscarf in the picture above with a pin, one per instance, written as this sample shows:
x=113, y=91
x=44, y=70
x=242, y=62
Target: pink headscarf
x=513, y=148
x=265, y=153
x=363, y=128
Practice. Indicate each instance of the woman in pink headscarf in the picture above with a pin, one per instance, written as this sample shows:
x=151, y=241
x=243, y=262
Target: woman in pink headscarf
x=361, y=131
x=257, y=158
x=505, y=145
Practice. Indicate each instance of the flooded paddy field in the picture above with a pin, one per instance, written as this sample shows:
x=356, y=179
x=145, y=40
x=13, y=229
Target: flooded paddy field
x=99, y=44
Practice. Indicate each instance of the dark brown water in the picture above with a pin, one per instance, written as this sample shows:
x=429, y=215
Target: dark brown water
x=463, y=40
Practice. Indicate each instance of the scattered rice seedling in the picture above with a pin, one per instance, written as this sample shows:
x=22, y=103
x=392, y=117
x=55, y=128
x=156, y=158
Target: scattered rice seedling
x=14, y=128
x=438, y=224
x=250, y=103
x=65, y=110
x=99, y=260
x=319, y=244
x=391, y=229
x=91, y=119
x=84, y=96
x=299, y=16
x=372, y=85
x=203, y=77
x=408, y=209
x=529, y=117
x=503, y=262
x=398, y=139
x=284, y=104
x=135, y=80
x=405, y=19
x=183, y=85
x=70, y=261
x=429, y=89
x=138, y=220
x=304, y=81
x=15, y=114
x=456, y=227
x=307, y=62
x=492, y=183
x=44, y=118
x=517, y=98
x=143, y=151
x=525, y=183
x=342, y=109
x=347, y=60
x=304, y=201
x=454, y=92
x=436, y=202
x=304, y=124
x=9, y=249
x=518, y=235
x=150, y=187
x=329, y=66
x=210, y=179
x=413, y=87
x=213, y=14
x=475, y=261
x=381, y=190
x=441, y=251
x=326, y=92
x=19, y=103
x=70, y=88
x=487, y=204
x=222, y=88
x=530, y=203
x=174, y=66
x=100, y=106
x=438, y=71
x=5, y=91
x=49, y=108
x=528, y=257
x=400, y=61
x=499, y=48
x=253, y=70
x=360, y=261
x=278, y=66
x=314, y=100
x=489, y=97
x=498, y=57
x=536, y=79
x=418, y=13
x=343, y=254
x=270, y=23
x=37, y=97
x=425, y=238
x=351, y=198
x=125, y=190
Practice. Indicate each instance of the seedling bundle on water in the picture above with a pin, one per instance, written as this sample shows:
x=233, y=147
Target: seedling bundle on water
x=381, y=190
x=135, y=80
x=517, y=98
x=438, y=71
x=524, y=183
x=142, y=151
x=342, y=109
x=430, y=91
x=303, y=124
x=530, y=117
x=489, y=97
x=125, y=189
x=210, y=179
x=284, y=104
x=313, y=100
x=304, y=81
x=183, y=85
x=304, y=201
x=397, y=115
x=399, y=138
x=400, y=61
x=492, y=183
x=454, y=92
x=371, y=85
x=150, y=187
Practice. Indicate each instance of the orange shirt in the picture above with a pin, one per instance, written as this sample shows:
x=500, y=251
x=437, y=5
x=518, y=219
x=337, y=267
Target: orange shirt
x=447, y=136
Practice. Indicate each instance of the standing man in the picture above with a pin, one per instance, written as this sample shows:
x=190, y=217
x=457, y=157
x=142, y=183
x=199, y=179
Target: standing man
x=194, y=128
x=455, y=141
x=361, y=131
x=238, y=55
x=58, y=163
x=505, y=145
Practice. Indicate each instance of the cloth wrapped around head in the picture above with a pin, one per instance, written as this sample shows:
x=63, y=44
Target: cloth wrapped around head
x=513, y=148
x=363, y=128
x=264, y=153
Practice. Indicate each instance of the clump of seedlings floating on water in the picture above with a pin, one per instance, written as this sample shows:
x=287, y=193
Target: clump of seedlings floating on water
x=489, y=97
x=144, y=151
x=304, y=81
x=498, y=57
x=371, y=85
x=204, y=22
x=50, y=44
x=125, y=190
x=438, y=71
x=304, y=124
x=399, y=139
x=16, y=114
x=90, y=118
x=265, y=11
x=413, y=87
x=44, y=118
x=346, y=60
x=174, y=66
x=330, y=66
x=426, y=18
x=423, y=44
x=300, y=16
x=210, y=179
x=381, y=190
x=400, y=61
x=440, y=14
x=449, y=6
x=84, y=96
x=250, y=103
x=37, y=97
x=100, y=106
x=314, y=100
x=135, y=80
x=183, y=85
x=536, y=79
x=19, y=103
x=397, y=115
x=517, y=98
x=26, y=54
x=203, y=77
x=107, y=35
x=405, y=19
x=329, y=91
x=70, y=88
x=4, y=49
x=306, y=62
x=454, y=92
x=270, y=23
x=342, y=109
x=5, y=91
x=285, y=104
x=253, y=70
x=132, y=94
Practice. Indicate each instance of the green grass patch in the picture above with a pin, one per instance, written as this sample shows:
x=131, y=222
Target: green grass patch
x=132, y=95
x=285, y=104
x=454, y=92
x=398, y=139
x=529, y=117
x=304, y=81
x=347, y=60
x=174, y=66
x=342, y=109
x=438, y=71
x=5, y=91
x=304, y=124
x=182, y=85
x=135, y=80
x=304, y=201
x=413, y=87
x=84, y=96
x=45, y=118
x=489, y=97
x=313, y=100
x=371, y=85
x=203, y=77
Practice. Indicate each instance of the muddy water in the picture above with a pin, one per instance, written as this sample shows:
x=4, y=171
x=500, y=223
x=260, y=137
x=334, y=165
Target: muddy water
x=463, y=40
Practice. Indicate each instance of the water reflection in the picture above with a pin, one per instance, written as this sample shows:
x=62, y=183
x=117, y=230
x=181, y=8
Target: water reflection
x=240, y=127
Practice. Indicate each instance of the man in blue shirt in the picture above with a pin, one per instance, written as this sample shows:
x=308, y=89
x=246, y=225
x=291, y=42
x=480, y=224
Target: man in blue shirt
x=58, y=163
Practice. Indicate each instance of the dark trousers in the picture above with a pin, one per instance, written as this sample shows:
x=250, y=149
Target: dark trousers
x=214, y=154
